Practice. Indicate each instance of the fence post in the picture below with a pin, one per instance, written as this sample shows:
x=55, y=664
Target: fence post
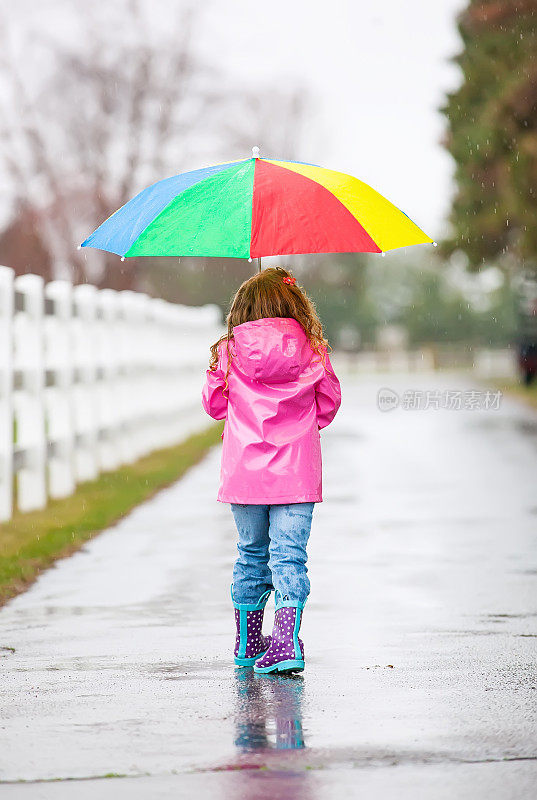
x=59, y=387
x=6, y=392
x=108, y=411
x=129, y=402
x=31, y=443
x=84, y=389
x=141, y=368
x=160, y=340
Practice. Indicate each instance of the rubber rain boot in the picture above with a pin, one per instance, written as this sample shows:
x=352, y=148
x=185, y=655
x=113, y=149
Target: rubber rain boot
x=286, y=651
x=250, y=643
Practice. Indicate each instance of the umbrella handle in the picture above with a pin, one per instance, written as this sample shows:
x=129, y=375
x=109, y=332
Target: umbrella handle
x=259, y=262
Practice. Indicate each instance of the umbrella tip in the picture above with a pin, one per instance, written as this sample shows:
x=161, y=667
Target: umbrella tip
x=123, y=258
x=435, y=244
x=255, y=152
x=79, y=247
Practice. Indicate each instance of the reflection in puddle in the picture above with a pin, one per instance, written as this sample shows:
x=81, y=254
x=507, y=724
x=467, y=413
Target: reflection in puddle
x=268, y=736
x=268, y=712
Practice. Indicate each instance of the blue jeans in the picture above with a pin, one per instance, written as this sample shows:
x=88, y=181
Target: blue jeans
x=272, y=551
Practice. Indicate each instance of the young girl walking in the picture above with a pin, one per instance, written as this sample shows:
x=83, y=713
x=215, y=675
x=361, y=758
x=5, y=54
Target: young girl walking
x=271, y=379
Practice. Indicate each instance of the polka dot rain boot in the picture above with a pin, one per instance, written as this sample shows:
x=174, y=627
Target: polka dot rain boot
x=249, y=641
x=286, y=651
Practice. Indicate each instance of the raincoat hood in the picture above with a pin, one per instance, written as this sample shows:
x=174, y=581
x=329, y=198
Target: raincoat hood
x=271, y=350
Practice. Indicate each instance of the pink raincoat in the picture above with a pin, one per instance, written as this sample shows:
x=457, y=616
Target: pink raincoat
x=279, y=394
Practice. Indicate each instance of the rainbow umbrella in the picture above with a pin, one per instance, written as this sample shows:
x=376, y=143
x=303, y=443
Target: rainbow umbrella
x=254, y=208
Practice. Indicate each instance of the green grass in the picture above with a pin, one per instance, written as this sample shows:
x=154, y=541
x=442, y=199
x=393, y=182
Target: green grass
x=31, y=542
x=528, y=394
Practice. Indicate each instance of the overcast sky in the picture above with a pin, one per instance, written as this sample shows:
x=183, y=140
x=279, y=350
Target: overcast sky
x=377, y=74
x=378, y=71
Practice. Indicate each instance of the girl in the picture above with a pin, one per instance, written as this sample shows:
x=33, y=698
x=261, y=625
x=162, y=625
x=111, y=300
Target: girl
x=271, y=379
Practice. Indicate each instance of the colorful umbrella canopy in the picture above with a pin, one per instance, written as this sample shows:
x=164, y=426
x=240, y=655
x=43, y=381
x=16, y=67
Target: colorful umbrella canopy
x=253, y=208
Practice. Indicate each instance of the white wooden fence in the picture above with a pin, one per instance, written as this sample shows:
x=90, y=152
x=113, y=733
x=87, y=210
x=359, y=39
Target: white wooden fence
x=91, y=379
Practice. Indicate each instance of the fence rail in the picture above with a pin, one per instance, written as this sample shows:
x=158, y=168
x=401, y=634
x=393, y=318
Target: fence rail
x=90, y=380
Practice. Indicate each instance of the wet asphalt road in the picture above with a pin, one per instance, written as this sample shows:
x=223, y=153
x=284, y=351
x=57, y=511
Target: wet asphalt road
x=420, y=632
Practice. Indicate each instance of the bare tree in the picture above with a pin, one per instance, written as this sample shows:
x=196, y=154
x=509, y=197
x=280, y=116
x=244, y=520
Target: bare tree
x=107, y=119
x=115, y=116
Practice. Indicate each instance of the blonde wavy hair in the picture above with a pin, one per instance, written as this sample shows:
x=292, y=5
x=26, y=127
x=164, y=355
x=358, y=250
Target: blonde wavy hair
x=267, y=295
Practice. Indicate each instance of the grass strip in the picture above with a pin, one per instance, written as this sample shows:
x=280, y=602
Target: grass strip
x=31, y=542
x=528, y=394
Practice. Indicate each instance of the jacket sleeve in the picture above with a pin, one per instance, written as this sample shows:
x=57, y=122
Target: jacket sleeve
x=327, y=395
x=213, y=398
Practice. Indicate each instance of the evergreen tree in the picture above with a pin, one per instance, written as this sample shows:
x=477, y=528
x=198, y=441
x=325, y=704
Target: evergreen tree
x=492, y=133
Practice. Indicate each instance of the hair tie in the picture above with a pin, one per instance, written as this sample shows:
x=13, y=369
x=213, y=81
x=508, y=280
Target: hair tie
x=291, y=281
